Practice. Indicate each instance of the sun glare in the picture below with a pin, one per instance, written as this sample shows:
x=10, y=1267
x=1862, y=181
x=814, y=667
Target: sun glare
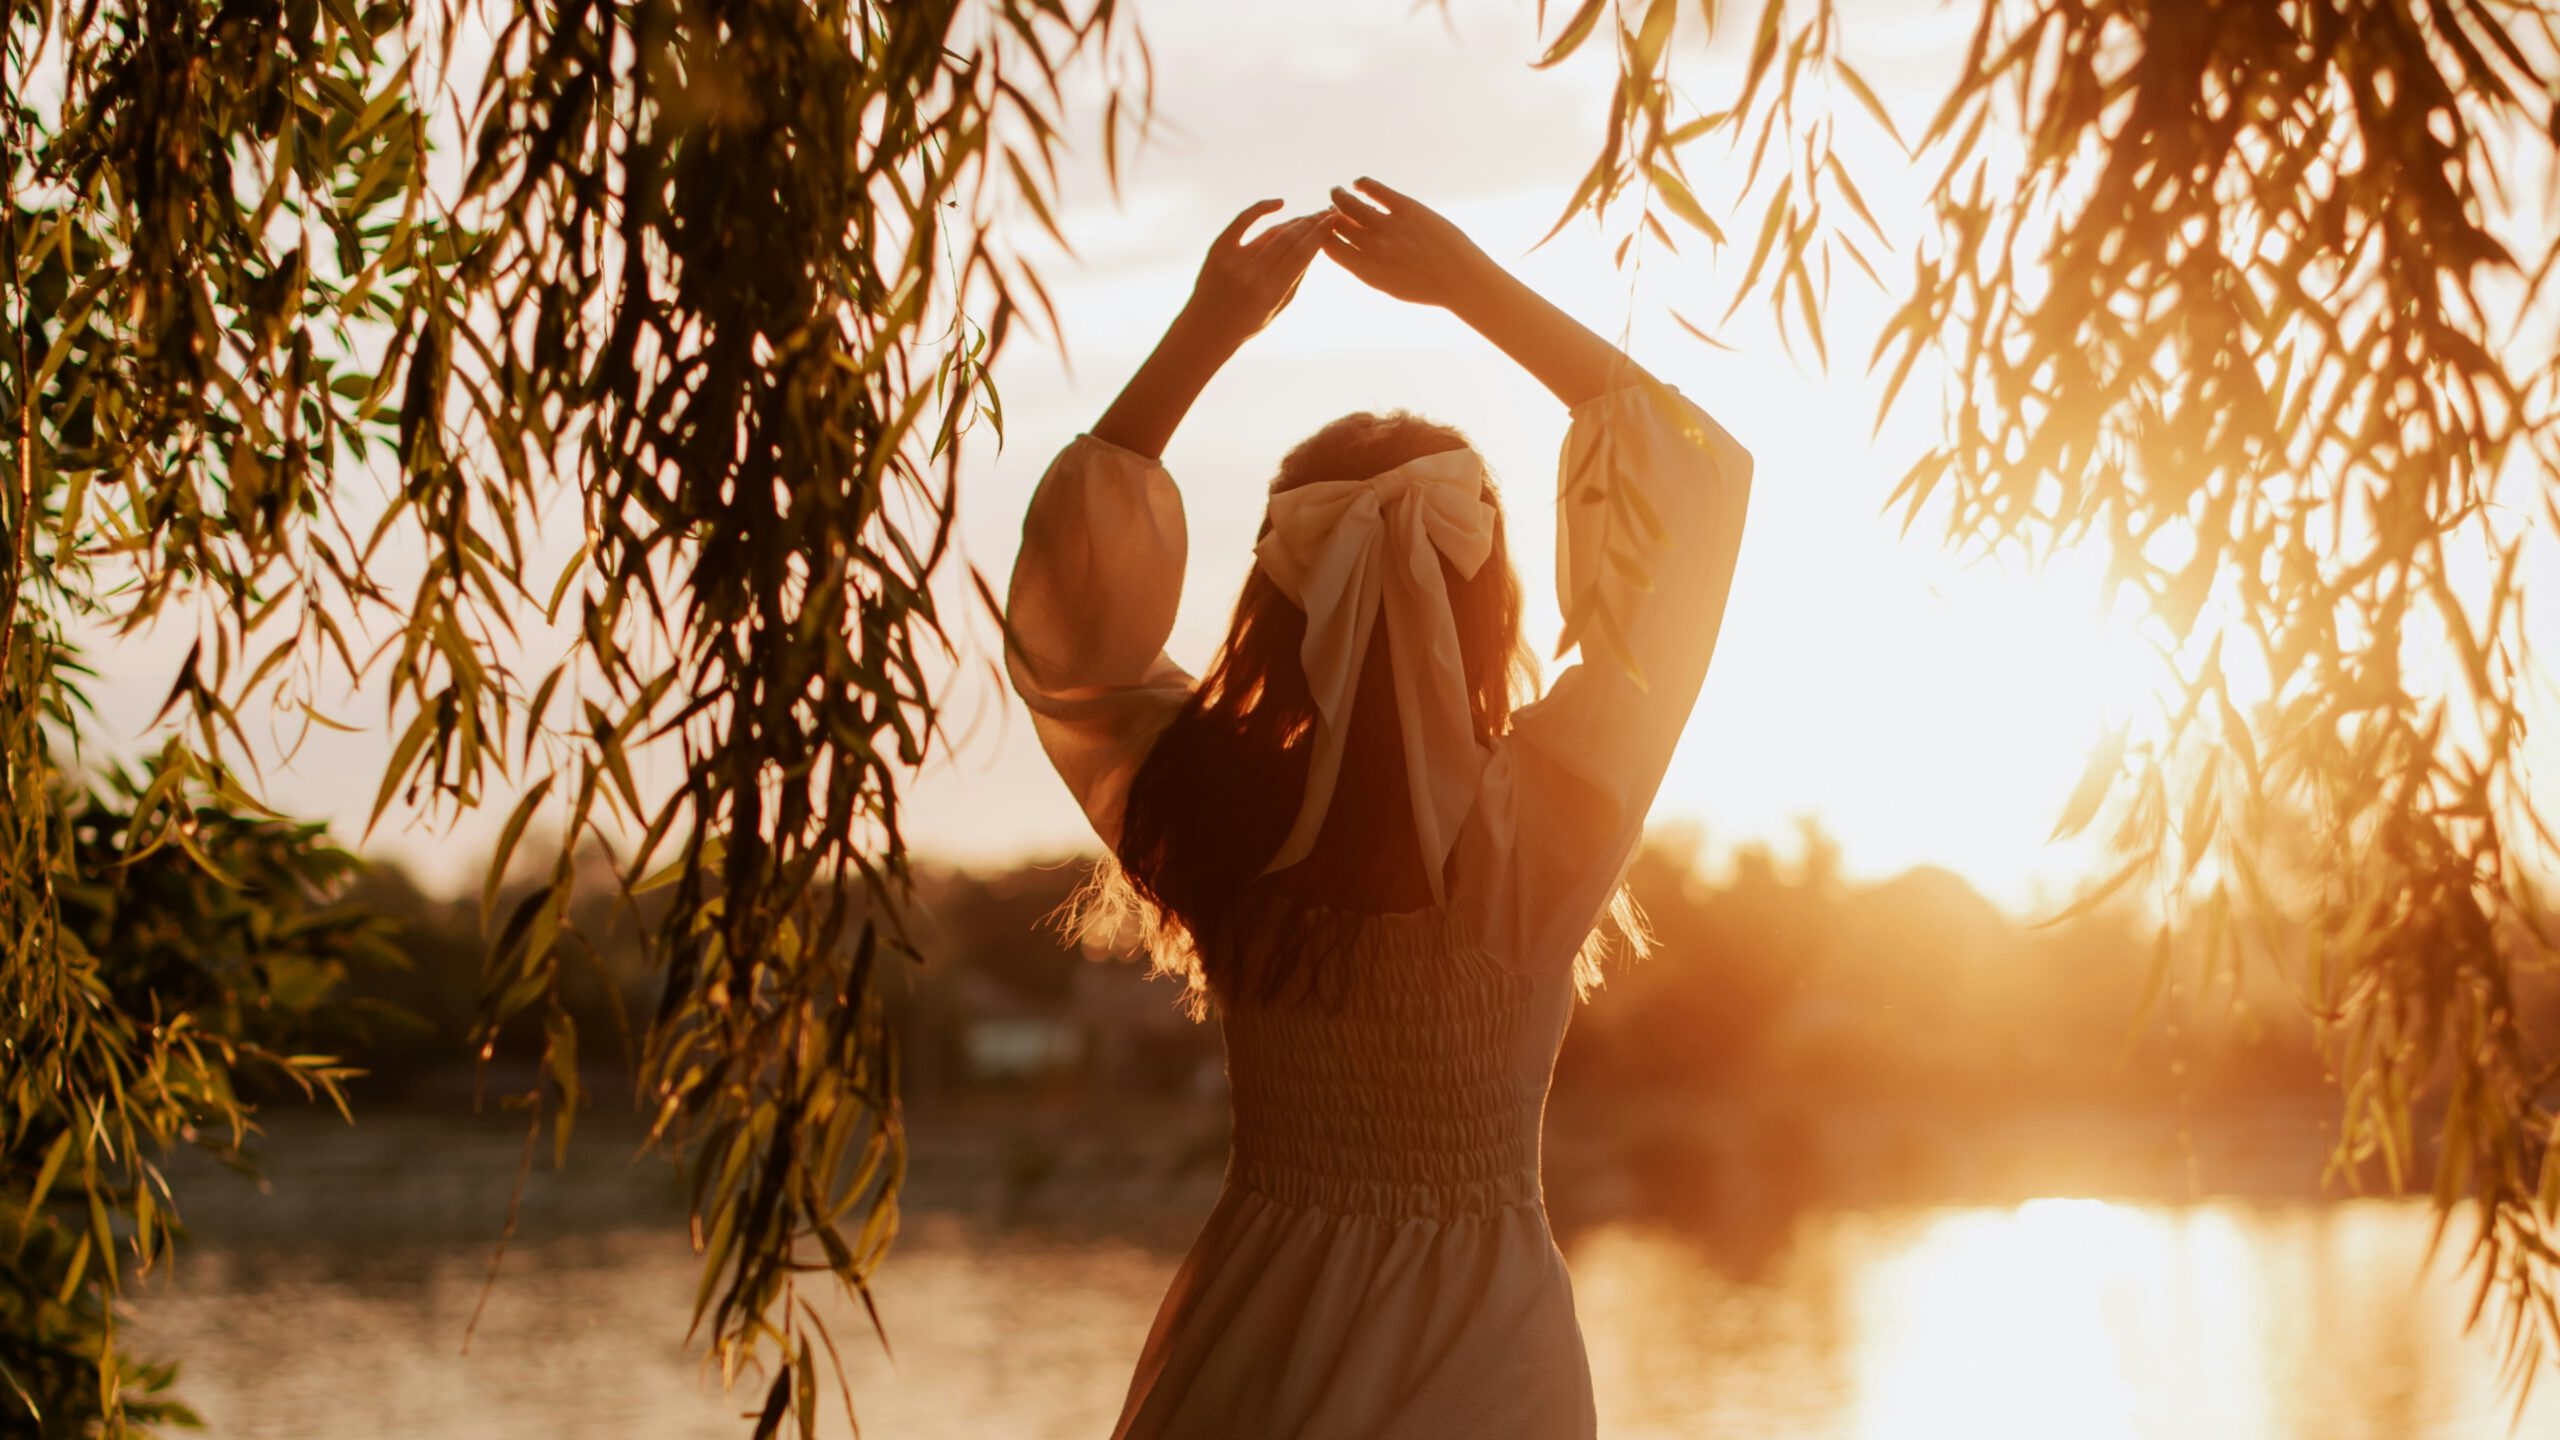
x=2054, y=1319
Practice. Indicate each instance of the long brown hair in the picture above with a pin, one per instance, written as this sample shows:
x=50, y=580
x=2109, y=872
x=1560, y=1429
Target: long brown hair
x=1217, y=794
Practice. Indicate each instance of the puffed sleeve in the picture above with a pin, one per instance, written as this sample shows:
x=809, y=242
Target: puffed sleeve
x=1651, y=494
x=1091, y=602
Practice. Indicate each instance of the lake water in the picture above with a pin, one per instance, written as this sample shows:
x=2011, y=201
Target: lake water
x=337, y=1306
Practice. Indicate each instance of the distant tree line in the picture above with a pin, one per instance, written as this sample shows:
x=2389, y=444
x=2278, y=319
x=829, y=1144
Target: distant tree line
x=1769, y=968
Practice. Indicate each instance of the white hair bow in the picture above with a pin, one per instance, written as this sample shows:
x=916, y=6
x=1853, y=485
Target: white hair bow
x=1345, y=550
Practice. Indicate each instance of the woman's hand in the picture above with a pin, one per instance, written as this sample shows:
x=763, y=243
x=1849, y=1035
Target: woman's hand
x=1242, y=285
x=1245, y=284
x=1404, y=248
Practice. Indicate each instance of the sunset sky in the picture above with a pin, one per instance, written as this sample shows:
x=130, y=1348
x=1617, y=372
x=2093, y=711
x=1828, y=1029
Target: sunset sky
x=1922, y=710
x=1924, y=707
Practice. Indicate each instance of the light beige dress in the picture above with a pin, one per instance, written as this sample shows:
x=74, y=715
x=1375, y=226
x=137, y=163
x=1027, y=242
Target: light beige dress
x=1378, y=1265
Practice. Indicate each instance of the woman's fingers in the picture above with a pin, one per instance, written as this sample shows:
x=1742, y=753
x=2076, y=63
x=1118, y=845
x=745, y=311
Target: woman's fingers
x=1350, y=257
x=1392, y=199
x=1281, y=237
x=1234, y=233
x=1300, y=249
x=1359, y=211
x=1263, y=241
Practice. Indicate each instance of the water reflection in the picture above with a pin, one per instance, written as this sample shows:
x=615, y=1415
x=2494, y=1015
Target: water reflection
x=2064, y=1317
x=2054, y=1320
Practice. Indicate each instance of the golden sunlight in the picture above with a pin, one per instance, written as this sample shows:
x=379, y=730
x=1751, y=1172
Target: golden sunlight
x=2049, y=1320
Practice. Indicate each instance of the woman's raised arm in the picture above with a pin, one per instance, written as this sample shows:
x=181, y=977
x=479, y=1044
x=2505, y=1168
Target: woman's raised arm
x=1404, y=248
x=1243, y=286
x=1651, y=478
x=1099, y=574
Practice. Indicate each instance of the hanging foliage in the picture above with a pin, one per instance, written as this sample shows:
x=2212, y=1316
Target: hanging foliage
x=720, y=279
x=186, y=981
x=2252, y=296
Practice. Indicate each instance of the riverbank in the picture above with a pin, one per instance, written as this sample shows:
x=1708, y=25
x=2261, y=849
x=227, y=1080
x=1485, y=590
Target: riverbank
x=1149, y=1167
x=356, y=1296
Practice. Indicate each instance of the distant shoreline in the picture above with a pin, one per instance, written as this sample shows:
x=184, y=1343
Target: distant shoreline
x=1153, y=1167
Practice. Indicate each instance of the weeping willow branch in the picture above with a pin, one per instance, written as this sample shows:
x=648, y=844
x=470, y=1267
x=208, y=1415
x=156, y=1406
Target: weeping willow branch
x=728, y=275
x=2253, y=297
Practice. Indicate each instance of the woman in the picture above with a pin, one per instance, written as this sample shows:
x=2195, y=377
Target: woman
x=1385, y=881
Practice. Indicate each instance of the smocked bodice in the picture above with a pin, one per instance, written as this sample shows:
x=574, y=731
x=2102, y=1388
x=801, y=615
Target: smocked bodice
x=1418, y=1095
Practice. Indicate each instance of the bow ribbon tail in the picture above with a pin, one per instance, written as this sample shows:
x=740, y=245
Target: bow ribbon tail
x=1354, y=555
